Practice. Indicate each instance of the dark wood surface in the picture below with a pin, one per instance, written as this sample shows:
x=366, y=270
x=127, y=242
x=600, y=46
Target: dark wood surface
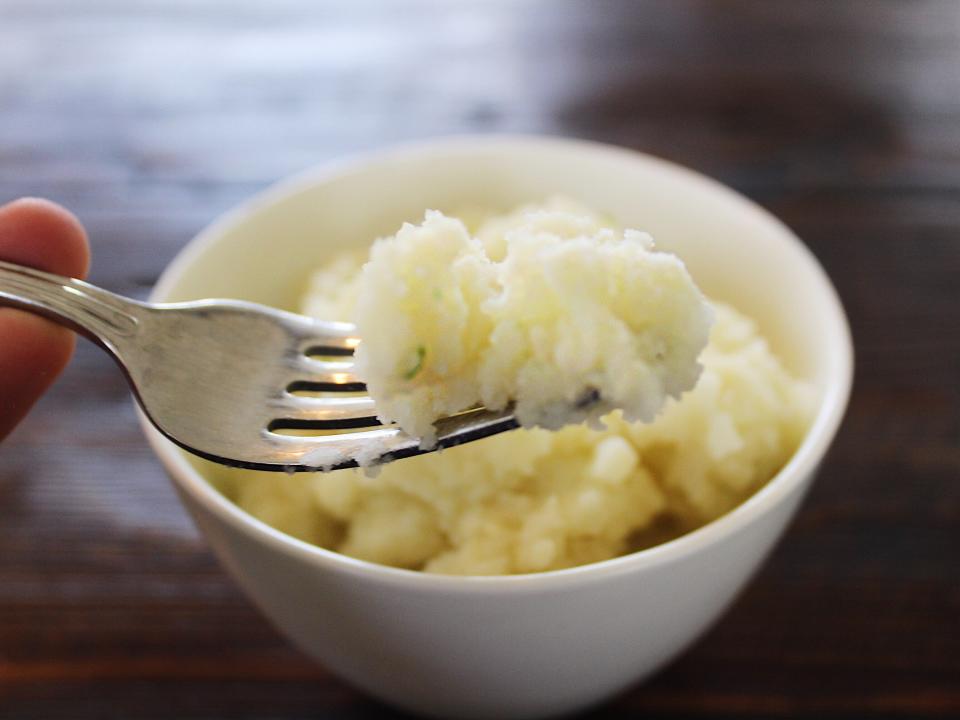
x=150, y=118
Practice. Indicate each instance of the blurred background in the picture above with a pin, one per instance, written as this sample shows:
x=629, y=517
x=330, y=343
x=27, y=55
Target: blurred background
x=148, y=119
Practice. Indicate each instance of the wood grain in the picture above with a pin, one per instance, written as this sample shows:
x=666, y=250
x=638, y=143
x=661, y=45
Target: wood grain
x=150, y=118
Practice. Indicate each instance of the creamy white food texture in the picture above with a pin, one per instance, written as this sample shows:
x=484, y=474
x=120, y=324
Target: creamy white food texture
x=534, y=500
x=551, y=311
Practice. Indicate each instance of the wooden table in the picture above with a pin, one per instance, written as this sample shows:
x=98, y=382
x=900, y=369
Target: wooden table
x=150, y=118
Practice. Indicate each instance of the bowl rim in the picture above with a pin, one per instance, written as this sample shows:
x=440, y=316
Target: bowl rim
x=802, y=464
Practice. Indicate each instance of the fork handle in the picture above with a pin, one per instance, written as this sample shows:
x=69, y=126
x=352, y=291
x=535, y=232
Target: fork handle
x=105, y=318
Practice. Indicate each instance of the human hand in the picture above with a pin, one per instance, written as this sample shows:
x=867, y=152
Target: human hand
x=34, y=351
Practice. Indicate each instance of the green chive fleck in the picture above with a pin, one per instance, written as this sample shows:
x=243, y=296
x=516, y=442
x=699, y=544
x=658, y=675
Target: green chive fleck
x=412, y=372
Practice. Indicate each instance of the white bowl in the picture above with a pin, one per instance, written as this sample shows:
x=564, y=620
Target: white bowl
x=530, y=645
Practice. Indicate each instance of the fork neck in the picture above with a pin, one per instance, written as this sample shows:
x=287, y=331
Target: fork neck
x=105, y=318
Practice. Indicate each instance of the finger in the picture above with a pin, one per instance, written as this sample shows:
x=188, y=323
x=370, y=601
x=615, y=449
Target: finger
x=43, y=235
x=34, y=351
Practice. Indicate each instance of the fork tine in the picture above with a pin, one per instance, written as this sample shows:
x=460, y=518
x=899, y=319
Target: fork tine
x=331, y=452
x=312, y=374
x=293, y=412
x=330, y=345
x=323, y=337
x=381, y=444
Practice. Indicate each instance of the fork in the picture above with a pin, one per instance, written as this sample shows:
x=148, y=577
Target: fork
x=222, y=378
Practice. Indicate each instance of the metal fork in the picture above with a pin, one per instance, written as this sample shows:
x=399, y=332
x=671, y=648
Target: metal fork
x=221, y=378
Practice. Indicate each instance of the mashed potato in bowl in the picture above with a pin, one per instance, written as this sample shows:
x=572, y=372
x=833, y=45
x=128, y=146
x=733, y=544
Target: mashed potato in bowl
x=534, y=500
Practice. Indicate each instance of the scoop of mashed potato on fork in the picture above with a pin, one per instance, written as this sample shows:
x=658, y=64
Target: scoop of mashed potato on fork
x=549, y=312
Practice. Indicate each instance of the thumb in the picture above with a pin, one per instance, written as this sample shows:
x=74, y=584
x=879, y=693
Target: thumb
x=34, y=351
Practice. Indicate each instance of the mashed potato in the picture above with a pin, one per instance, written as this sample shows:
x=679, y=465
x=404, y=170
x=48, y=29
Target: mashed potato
x=534, y=500
x=547, y=309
